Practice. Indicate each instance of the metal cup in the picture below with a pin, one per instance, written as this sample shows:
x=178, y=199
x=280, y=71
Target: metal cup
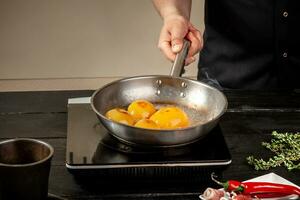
x=24, y=169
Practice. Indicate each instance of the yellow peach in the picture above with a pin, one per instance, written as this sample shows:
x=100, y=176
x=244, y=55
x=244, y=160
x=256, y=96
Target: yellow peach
x=141, y=109
x=147, y=124
x=170, y=117
x=120, y=115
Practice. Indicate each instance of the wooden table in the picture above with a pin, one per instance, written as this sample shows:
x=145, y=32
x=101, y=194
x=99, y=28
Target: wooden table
x=250, y=119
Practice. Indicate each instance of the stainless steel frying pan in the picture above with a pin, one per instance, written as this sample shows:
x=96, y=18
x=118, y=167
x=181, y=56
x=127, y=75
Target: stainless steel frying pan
x=203, y=104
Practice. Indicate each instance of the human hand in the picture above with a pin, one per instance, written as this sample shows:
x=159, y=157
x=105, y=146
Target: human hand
x=174, y=30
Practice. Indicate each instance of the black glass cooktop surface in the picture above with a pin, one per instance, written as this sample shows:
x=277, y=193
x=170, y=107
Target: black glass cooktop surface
x=89, y=145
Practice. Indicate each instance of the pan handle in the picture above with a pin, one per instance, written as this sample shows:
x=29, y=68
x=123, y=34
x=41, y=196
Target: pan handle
x=178, y=65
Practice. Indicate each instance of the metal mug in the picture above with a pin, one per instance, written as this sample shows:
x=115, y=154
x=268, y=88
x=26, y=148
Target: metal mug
x=24, y=169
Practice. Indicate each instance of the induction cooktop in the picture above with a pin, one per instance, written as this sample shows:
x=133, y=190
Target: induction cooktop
x=91, y=148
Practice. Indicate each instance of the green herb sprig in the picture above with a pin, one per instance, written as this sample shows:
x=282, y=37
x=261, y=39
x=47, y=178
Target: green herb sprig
x=286, y=147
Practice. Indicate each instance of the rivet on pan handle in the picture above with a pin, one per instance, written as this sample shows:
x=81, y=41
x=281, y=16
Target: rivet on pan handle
x=178, y=65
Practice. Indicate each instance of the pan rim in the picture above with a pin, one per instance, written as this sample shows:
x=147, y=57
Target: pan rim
x=157, y=76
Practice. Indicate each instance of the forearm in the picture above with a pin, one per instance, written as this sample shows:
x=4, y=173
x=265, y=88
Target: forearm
x=167, y=8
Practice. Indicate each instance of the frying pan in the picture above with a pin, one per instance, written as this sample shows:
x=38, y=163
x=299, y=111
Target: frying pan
x=203, y=104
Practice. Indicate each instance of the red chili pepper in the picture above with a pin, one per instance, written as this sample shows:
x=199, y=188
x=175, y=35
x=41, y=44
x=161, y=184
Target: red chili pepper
x=230, y=185
x=254, y=188
x=258, y=189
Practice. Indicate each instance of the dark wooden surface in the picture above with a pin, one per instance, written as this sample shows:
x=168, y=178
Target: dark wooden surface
x=250, y=119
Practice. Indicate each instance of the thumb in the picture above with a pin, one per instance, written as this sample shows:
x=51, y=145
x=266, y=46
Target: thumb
x=176, y=45
x=177, y=35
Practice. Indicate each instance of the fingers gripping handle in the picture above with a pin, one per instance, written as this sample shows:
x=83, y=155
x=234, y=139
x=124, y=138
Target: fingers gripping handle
x=178, y=65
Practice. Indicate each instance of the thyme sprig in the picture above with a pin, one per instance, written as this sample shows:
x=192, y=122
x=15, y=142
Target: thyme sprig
x=285, y=146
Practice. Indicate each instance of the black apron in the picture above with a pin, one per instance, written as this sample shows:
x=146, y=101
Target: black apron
x=251, y=44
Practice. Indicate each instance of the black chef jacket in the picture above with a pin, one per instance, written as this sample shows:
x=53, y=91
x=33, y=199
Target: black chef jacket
x=251, y=44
